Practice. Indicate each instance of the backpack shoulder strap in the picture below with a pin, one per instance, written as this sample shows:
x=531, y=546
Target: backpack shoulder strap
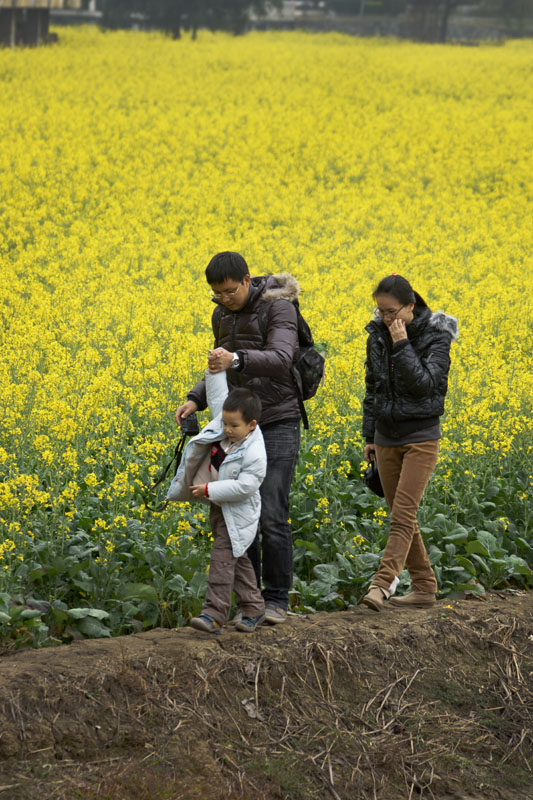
x=305, y=337
x=262, y=318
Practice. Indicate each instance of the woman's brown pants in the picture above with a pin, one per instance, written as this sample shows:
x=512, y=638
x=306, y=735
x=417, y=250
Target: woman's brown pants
x=405, y=472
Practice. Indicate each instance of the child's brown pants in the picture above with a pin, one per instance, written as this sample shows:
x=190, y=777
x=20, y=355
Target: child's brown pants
x=227, y=574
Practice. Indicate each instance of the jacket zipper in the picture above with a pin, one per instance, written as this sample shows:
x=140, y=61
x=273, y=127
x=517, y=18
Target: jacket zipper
x=234, y=344
x=390, y=359
x=233, y=325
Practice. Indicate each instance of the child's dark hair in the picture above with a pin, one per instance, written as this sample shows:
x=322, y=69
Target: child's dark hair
x=245, y=401
x=401, y=289
x=226, y=266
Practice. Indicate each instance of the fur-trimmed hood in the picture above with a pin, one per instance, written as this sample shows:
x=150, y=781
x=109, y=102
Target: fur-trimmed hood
x=282, y=286
x=445, y=322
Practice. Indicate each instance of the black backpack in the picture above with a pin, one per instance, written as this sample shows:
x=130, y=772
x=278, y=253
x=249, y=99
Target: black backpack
x=308, y=371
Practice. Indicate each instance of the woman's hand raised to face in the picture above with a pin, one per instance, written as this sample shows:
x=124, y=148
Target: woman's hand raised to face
x=397, y=330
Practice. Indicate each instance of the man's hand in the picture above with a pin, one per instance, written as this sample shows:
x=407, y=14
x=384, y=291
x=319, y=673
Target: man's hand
x=219, y=360
x=369, y=452
x=198, y=490
x=183, y=411
x=397, y=330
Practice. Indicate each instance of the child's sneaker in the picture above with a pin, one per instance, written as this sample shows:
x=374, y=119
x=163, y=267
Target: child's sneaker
x=205, y=623
x=237, y=618
x=249, y=624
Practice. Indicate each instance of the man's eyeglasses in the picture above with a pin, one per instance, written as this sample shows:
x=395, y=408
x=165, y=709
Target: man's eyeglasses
x=229, y=293
x=389, y=314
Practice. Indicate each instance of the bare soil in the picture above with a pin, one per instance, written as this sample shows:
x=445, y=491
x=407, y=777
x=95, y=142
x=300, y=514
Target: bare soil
x=403, y=704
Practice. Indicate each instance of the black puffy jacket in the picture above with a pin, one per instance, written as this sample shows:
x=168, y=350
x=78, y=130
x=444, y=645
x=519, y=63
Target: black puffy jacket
x=406, y=383
x=267, y=359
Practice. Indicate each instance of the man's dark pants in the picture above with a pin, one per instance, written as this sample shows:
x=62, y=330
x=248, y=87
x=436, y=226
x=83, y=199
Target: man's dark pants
x=272, y=547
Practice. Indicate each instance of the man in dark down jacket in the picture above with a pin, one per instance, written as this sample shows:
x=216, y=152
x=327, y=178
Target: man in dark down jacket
x=257, y=345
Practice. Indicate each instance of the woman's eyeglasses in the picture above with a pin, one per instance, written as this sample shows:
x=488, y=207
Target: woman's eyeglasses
x=388, y=314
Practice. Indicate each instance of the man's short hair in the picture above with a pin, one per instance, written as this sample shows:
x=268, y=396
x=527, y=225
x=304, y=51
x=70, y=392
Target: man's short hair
x=226, y=266
x=245, y=401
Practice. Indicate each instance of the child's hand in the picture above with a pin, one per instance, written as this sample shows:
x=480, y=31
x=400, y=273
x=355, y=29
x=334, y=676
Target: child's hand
x=198, y=490
x=219, y=360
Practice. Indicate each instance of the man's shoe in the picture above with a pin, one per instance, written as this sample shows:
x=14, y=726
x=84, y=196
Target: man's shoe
x=205, y=623
x=414, y=599
x=249, y=624
x=274, y=614
x=375, y=597
x=237, y=618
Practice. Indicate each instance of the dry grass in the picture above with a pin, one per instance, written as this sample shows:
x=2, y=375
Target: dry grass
x=341, y=705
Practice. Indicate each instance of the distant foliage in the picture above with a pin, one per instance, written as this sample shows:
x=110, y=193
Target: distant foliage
x=174, y=15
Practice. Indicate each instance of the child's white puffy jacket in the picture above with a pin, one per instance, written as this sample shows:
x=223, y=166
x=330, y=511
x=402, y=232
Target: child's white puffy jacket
x=240, y=475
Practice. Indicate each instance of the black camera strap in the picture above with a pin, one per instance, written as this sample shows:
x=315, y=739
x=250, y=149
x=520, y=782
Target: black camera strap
x=189, y=427
x=299, y=397
x=178, y=452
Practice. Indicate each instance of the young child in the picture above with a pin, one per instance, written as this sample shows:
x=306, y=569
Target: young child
x=224, y=465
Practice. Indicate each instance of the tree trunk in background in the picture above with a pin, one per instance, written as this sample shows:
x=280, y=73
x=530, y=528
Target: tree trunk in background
x=196, y=17
x=425, y=15
x=447, y=9
x=176, y=20
x=34, y=27
x=7, y=27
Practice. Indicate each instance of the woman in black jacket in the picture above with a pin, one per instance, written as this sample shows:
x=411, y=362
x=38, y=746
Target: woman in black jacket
x=406, y=381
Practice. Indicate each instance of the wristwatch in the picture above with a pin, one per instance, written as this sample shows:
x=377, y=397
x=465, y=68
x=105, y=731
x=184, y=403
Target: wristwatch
x=236, y=361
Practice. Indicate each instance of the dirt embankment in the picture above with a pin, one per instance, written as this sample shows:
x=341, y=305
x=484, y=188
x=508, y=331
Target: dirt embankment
x=402, y=704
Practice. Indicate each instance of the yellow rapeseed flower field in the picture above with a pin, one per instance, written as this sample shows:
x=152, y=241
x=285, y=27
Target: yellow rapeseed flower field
x=127, y=160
